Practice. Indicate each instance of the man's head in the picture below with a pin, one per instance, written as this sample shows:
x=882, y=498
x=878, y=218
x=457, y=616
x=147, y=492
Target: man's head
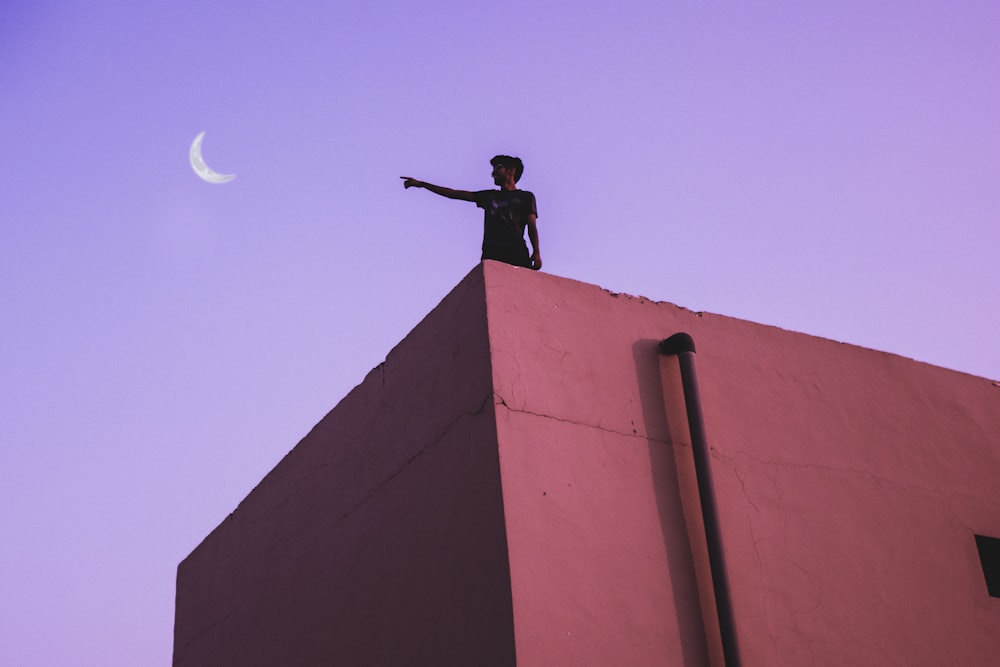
x=508, y=163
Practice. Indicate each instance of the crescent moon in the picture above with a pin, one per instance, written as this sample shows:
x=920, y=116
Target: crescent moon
x=203, y=170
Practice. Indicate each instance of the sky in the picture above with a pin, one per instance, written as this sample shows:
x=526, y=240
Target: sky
x=831, y=168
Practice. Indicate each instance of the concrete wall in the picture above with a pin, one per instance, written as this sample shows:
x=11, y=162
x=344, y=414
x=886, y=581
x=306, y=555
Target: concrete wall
x=850, y=484
x=515, y=484
x=380, y=538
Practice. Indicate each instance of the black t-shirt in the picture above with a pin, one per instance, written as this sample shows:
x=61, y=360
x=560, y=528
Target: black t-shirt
x=506, y=216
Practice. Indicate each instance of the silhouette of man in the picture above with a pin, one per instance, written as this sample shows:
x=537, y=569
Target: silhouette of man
x=507, y=213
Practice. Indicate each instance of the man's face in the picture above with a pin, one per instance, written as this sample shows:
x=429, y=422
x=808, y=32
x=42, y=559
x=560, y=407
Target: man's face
x=501, y=174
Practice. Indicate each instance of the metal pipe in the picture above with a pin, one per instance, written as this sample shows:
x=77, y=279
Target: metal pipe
x=682, y=345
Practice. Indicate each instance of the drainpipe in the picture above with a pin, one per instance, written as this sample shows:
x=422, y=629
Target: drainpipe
x=682, y=345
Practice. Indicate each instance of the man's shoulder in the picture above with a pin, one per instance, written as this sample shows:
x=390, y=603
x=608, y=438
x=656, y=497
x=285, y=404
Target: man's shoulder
x=482, y=197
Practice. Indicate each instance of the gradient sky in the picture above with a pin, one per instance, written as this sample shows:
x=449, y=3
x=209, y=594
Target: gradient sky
x=827, y=167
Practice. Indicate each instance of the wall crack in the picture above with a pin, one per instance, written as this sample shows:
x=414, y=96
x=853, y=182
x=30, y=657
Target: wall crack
x=642, y=436
x=420, y=452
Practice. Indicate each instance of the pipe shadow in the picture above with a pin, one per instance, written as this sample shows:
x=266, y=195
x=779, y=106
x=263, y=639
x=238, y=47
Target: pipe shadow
x=676, y=491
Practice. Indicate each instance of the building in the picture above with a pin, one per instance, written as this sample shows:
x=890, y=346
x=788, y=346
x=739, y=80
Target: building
x=515, y=485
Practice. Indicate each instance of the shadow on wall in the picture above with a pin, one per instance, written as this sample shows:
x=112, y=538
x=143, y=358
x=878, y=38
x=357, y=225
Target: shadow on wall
x=675, y=485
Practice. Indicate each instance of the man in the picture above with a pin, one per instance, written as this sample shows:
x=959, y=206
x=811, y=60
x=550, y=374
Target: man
x=507, y=213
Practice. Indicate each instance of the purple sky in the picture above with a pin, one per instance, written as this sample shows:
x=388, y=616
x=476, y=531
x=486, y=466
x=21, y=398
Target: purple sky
x=831, y=168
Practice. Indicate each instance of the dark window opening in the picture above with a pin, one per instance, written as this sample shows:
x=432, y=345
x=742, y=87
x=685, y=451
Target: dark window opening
x=989, y=556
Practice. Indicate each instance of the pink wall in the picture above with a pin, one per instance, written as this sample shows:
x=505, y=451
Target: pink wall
x=516, y=482
x=380, y=538
x=850, y=484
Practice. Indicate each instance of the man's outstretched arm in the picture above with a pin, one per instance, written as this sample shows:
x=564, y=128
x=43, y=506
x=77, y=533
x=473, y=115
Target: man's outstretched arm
x=464, y=195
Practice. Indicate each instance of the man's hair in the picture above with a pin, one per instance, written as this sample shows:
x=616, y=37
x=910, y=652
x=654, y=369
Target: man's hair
x=511, y=163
